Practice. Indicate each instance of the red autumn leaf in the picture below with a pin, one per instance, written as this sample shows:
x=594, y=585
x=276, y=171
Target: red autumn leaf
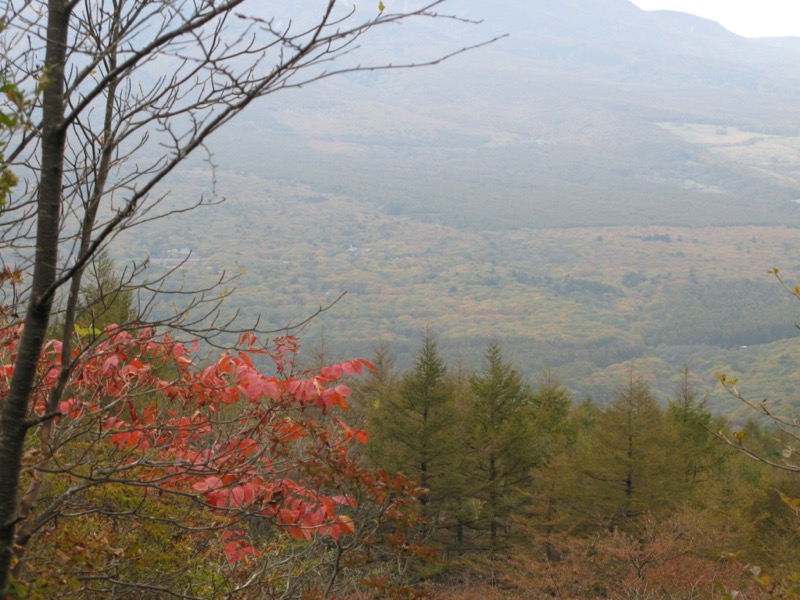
x=207, y=484
x=239, y=550
x=111, y=361
x=346, y=524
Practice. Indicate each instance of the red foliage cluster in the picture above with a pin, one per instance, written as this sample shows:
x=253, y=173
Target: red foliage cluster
x=244, y=443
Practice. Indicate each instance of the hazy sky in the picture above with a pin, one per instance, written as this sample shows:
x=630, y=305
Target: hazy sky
x=750, y=18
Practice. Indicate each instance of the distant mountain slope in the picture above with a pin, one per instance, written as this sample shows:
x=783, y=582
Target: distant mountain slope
x=559, y=124
x=784, y=43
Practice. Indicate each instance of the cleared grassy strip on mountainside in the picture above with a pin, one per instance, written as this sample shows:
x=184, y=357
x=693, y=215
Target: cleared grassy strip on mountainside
x=773, y=158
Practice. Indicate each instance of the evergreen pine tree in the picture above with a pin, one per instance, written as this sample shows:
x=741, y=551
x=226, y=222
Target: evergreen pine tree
x=626, y=464
x=414, y=430
x=104, y=300
x=503, y=449
x=698, y=454
x=555, y=437
x=373, y=389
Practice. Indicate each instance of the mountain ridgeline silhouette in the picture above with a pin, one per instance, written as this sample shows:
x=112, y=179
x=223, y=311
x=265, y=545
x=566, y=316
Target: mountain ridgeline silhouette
x=590, y=112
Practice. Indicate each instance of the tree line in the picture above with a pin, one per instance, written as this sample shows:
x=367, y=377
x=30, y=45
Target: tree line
x=529, y=493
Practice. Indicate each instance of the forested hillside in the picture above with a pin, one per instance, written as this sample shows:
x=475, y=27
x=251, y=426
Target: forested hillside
x=589, y=303
x=285, y=315
x=604, y=188
x=530, y=494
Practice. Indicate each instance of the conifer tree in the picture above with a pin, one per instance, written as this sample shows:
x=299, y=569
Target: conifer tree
x=694, y=449
x=414, y=431
x=626, y=464
x=555, y=438
x=104, y=298
x=375, y=388
x=552, y=402
x=502, y=445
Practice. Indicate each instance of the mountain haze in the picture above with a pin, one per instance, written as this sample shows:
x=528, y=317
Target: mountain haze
x=604, y=187
x=569, y=108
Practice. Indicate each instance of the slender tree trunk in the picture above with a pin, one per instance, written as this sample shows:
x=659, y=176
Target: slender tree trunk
x=28, y=500
x=423, y=467
x=13, y=426
x=629, y=512
x=492, y=505
x=549, y=548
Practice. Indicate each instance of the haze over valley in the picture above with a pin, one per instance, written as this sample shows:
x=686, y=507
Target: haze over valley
x=603, y=189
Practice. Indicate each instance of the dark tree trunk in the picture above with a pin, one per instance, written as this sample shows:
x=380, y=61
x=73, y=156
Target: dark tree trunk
x=13, y=426
x=493, y=508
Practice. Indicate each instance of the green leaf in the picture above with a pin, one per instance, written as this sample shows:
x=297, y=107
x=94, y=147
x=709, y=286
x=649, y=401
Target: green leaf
x=84, y=331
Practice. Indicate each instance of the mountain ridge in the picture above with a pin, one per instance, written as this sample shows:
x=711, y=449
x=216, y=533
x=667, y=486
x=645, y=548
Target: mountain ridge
x=584, y=84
